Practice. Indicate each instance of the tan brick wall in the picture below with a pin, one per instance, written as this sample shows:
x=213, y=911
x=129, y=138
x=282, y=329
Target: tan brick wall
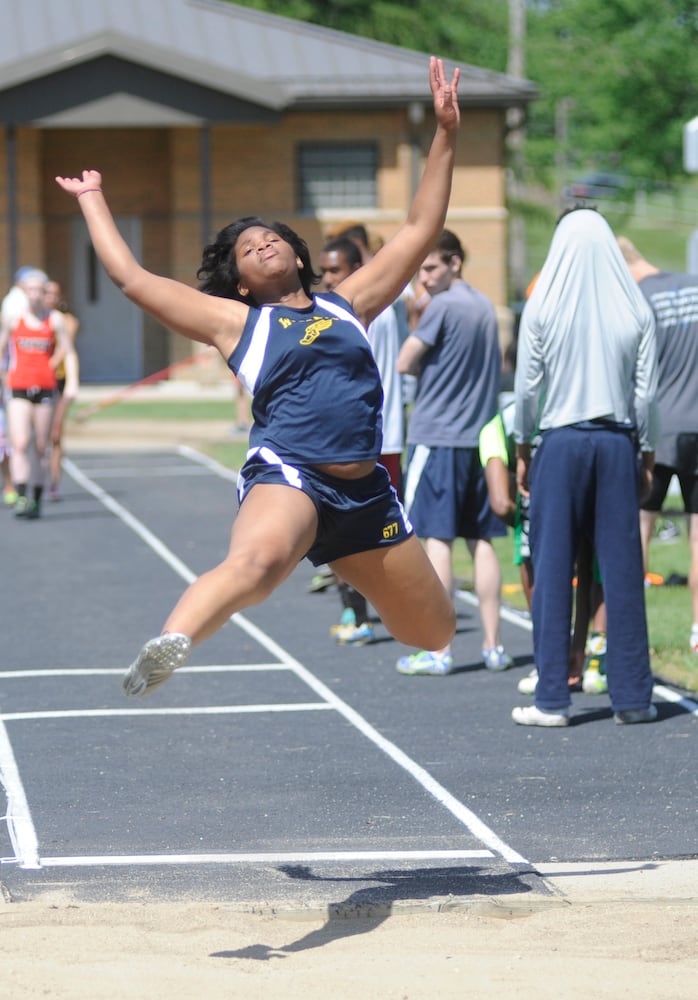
x=30, y=230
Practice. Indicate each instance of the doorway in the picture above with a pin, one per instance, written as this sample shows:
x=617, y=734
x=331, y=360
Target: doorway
x=110, y=341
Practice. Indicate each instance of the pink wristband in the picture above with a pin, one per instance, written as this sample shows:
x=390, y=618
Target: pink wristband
x=87, y=191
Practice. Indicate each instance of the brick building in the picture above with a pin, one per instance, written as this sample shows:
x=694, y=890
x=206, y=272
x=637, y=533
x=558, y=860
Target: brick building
x=198, y=111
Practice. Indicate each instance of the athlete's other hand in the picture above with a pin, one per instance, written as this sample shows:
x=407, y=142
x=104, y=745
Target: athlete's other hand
x=91, y=180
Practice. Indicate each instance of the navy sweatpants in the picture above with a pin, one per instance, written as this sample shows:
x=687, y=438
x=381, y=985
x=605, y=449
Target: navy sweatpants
x=584, y=480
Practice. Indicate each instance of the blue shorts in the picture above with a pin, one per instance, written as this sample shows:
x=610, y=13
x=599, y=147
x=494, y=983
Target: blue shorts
x=446, y=494
x=354, y=515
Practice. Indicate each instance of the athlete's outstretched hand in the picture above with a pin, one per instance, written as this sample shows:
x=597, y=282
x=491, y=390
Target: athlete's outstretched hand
x=445, y=94
x=91, y=180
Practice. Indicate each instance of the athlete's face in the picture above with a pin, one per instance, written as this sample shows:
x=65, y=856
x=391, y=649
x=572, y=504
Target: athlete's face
x=262, y=257
x=436, y=274
x=334, y=267
x=35, y=290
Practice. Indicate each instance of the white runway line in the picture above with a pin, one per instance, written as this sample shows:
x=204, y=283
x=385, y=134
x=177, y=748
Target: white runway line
x=19, y=822
x=152, y=472
x=105, y=713
x=214, y=668
x=129, y=520
x=257, y=859
x=464, y=815
x=687, y=704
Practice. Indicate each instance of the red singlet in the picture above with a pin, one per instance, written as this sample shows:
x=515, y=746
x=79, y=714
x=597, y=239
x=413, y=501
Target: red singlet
x=30, y=355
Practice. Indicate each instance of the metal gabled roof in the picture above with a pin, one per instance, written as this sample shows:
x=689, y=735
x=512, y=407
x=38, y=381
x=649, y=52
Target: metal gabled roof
x=269, y=61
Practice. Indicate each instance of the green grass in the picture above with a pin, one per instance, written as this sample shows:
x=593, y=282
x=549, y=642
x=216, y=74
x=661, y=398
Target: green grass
x=228, y=453
x=166, y=409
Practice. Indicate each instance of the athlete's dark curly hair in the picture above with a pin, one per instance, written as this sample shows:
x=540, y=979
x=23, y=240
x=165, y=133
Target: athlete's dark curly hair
x=219, y=275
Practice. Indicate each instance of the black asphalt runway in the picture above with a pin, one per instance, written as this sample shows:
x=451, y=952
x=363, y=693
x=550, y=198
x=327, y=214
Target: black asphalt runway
x=279, y=767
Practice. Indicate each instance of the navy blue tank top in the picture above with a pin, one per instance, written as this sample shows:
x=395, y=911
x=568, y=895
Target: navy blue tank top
x=316, y=391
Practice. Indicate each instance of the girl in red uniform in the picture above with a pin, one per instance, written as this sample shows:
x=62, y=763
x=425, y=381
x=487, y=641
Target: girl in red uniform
x=37, y=341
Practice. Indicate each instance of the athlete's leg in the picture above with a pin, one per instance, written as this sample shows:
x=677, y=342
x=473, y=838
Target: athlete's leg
x=693, y=571
x=402, y=585
x=57, y=425
x=42, y=417
x=440, y=554
x=487, y=580
x=648, y=521
x=19, y=419
x=275, y=527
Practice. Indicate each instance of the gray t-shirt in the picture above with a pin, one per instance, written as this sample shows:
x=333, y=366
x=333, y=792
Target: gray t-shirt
x=674, y=302
x=459, y=380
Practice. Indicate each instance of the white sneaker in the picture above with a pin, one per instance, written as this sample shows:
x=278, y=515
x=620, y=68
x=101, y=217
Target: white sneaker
x=156, y=662
x=531, y=715
x=593, y=681
x=528, y=684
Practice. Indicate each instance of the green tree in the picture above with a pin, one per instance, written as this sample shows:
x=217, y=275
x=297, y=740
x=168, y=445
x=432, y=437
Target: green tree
x=473, y=31
x=622, y=75
x=628, y=72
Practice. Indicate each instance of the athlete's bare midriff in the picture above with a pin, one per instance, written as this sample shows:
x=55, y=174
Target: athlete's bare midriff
x=347, y=470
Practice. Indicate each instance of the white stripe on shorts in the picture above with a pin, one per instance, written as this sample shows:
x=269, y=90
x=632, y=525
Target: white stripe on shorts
x=414, y=473
x=289, y=472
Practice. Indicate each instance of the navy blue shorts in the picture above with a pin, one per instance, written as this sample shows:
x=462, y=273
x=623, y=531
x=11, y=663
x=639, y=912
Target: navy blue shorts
x=446, y=494
x=354, y=515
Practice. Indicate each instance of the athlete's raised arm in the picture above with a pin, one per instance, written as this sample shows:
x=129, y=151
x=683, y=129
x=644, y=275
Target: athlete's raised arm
x=206, y=318
x=378, y=283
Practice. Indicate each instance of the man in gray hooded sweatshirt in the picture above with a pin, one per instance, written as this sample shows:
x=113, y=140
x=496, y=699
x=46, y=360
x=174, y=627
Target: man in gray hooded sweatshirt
x=586, y=376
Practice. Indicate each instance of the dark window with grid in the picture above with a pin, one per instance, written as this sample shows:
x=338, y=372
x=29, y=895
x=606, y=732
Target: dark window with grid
x=337, y=175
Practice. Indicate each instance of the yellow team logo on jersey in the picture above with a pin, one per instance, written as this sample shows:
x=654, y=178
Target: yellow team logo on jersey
x=314, y=329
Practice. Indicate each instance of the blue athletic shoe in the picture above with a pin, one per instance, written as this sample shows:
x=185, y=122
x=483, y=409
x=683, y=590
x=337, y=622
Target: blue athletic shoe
x=424, y=662
x=353, y=635
x=496, y=658
x=348, y=619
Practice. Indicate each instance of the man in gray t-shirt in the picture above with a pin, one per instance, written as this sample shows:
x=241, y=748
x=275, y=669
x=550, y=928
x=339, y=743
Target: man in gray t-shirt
x=673, y=298
x=454, y=351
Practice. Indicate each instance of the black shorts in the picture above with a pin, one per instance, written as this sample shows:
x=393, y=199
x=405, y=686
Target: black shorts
x=35, y=395
x=660, y=485
x=686, y=471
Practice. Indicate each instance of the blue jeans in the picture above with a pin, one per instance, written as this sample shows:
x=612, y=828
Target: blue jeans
x=584, y=481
